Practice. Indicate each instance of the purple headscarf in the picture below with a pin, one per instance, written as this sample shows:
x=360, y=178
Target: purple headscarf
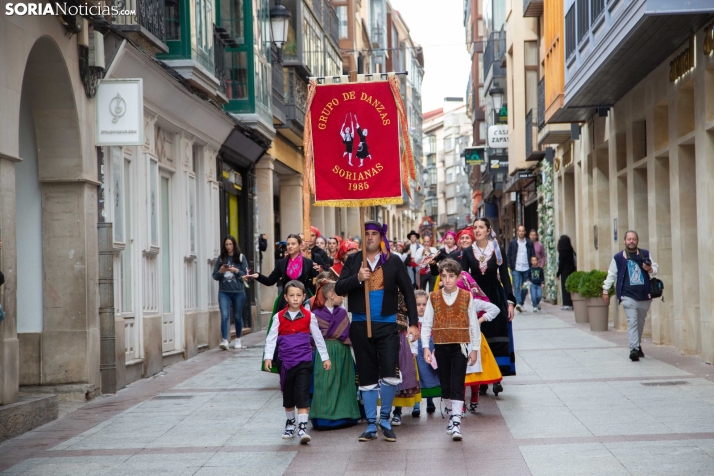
x=382, y=230
x=448, y=232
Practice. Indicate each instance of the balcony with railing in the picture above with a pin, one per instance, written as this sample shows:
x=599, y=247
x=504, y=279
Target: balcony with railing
x=219, y=60
x=549, y=132
x=494, y=56
x=605, y=36
x=295, y=102
x=280, y=111
x=532, y=152
x=532, y=8
x=148, y=26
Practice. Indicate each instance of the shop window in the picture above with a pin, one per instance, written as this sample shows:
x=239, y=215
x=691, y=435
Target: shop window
x=172, y=19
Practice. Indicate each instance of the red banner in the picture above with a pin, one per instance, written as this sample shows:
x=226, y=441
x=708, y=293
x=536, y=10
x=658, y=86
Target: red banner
x=355, y=144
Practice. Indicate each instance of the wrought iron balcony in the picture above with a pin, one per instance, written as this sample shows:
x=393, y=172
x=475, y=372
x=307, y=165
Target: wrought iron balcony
x=296, y=95
x=147, y=26
x=278, y=80
x=219, y=60
x=495, y=54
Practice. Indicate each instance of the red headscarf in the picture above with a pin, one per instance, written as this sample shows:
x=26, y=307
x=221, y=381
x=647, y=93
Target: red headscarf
x=345, y=246
x=315, y=230
x=466, y=231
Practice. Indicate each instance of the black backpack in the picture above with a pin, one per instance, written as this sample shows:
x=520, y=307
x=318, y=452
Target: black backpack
x=656, y=288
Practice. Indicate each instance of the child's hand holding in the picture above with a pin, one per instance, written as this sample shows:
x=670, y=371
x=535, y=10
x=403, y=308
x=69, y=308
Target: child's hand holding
x=268, y=365
x=472, y=357
x=327, y=365
x=427, y=355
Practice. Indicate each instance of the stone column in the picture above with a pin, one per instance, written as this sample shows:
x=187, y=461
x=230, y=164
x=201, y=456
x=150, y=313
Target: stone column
x=317, y=218
x=352, y=227
x=9, y=344
x=264, y=170
x=291, y=204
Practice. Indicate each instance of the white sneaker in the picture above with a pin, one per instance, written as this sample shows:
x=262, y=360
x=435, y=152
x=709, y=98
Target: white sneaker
x=224, y=345
x=236, y=344
x=450, y=426
x=289, y=429
x=456, y=431
x=519, y=308
x=302, y=434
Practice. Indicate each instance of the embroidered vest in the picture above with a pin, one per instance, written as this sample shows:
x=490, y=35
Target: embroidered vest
x=451, y=323
x=376, y=280
x=300, y=324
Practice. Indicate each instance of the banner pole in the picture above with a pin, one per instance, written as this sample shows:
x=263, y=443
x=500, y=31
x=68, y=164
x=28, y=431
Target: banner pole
x=364, y=265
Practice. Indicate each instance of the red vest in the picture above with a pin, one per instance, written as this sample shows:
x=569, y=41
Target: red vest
x=301, y=324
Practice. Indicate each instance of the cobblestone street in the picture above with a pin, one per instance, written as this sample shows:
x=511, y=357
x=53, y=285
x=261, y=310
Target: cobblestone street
x=577, y=406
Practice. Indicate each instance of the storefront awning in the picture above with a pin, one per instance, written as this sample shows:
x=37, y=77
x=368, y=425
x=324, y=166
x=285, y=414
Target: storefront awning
x=519, y=180
x=241, y=149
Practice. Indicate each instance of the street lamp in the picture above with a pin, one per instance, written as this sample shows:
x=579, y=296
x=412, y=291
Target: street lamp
x=497, y=96
x=279, y=20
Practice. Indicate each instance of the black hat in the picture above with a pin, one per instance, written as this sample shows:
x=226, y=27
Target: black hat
x=413, y=233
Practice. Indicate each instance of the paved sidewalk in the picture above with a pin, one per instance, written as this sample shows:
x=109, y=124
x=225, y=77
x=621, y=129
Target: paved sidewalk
x=577, y=406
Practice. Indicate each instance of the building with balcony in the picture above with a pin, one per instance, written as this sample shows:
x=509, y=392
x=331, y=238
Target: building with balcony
x=109, y=250
x=638, y=91
x=447, y=132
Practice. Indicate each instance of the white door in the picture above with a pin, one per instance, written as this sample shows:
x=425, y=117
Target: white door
x=168, y=330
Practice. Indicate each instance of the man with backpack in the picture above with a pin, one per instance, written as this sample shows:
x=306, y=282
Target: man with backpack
x=631, y=270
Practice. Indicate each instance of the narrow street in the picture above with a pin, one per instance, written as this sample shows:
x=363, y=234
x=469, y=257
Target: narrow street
x=577, y=406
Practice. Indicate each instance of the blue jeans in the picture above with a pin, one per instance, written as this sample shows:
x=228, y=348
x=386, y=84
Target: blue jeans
x=224, y=303
x=536, y=294
x=519, y=278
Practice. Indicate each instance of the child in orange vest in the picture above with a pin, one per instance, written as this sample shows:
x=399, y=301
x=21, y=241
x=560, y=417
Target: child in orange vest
x=291, y=331
x=451, y=319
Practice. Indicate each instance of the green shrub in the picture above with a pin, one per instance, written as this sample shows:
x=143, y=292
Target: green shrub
x=572, y=284
x=591, y=284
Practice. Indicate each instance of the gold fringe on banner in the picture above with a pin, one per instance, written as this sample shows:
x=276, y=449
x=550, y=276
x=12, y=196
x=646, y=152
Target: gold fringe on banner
x=308, y=179
x=407, y=156
x=367, y=202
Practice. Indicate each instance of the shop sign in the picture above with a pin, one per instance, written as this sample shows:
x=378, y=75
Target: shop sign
x=119, y=112
x=498, y=136
x=708, y=39
x=682, y=63
x=525, y=175
x=474, y=155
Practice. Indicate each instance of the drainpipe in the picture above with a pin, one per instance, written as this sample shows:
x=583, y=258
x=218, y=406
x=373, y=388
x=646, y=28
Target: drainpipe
x=107, y=335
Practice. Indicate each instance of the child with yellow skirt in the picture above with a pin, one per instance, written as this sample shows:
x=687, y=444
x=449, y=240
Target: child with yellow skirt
x=485, y=371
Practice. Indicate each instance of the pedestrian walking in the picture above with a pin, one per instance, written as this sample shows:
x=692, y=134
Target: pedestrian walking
x=630, y=271
x=519, y=255
x=408, y=391
x=415, y=251
x=566, y=266
x=377, y=358
x=231, y=271
x=484, y=262
x=290, y=331
x=426, y=279
x=317, y=253
x=537, y=247
x=536, y=277
x=451, y=317
x=334, y=400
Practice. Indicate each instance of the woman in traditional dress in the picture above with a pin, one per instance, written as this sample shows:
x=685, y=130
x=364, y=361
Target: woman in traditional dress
x=485, y=263
x=293, y=266
x=485, y=371
x=347, y=248
x=333, y=244
x=348, y=138
x=409, y=391
x=334, y=399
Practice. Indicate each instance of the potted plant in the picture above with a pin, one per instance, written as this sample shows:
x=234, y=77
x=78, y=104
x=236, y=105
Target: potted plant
x=591, y=289
x=580, y=307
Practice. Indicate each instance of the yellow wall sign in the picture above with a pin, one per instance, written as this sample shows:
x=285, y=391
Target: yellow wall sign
x=682, y=63
x=708, y=47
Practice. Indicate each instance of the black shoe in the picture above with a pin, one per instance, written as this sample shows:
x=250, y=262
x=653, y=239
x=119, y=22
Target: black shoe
x=430, y=408
x=634, y=356
x=368, y=436
x=497, y=388
x=482, y=389
x=473, y=407
x=388, y=433
x=639, y=352
x=416, y=413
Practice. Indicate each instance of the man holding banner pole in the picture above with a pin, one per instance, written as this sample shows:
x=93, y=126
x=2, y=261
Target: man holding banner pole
x=377, y=357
